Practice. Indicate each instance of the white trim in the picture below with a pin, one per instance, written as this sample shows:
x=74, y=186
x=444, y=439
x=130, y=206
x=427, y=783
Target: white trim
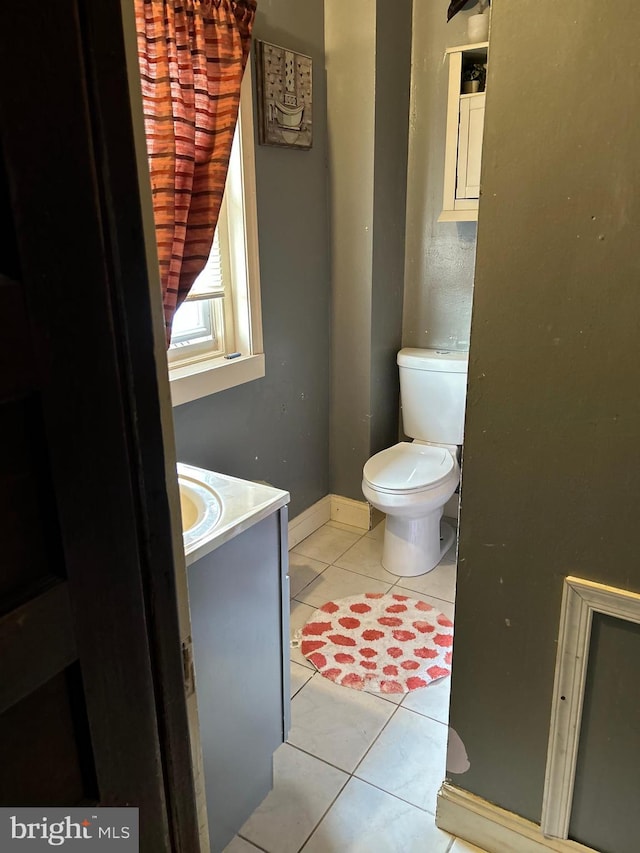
x=581, y=598
x=309, y=521
x=458, y=216
x=491, y=828
x=331, y=508
x=250, y=199
x=476, y=45
x=199, y=378
x=348, y=511
x=451, y=136
x=207, y=377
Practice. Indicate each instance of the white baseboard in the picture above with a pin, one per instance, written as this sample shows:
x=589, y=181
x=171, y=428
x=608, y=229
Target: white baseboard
x=310, y=520
x=332, y=508
x=493, y=829
x=348, y=511
x=345, y=510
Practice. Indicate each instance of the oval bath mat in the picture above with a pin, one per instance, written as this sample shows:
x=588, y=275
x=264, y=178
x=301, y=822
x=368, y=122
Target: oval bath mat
x=382, y=642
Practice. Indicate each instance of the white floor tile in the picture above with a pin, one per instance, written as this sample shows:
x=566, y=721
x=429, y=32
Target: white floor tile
x=440, y=604
x=377, y=532
x=439, y=582
x=460, y=846
x=299, y=616
x=389, y=808
x=299, y=677
x=365, y=557
x=337, y=583
x=366, y=820
x=408, y=759
x=326, y=544
x=336, y=723
x=432, y=701
x=394, y=698
x=303, y=790
x=239, y=845
x=303, y=570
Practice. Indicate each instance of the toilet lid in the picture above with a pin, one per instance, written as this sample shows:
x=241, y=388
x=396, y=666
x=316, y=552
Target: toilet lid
x=408, y=467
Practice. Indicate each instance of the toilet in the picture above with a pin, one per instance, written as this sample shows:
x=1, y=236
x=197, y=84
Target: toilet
x=412, y=481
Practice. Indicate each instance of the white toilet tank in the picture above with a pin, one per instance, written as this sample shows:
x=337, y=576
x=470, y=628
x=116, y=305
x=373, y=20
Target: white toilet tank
x=433, y=386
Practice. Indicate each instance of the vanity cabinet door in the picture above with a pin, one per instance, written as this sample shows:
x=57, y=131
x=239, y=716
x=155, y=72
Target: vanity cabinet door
x=470, y=134
x=239, y=604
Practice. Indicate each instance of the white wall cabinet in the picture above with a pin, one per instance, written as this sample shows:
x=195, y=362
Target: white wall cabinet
x=463, y=146
x=470, y=132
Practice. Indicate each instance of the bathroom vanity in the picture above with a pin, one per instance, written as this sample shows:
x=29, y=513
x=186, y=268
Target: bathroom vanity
x=239, y=601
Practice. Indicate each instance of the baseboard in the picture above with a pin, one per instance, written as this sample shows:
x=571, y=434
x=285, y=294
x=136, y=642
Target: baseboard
x=493, y=829
x=452, y=506
x=348, y=511
x=332, y=508
x=310, y=520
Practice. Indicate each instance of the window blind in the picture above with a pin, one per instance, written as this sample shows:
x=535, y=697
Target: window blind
x=210, y=283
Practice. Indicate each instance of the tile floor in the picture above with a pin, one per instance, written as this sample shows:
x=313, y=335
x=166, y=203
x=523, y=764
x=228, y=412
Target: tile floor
x=360, y=771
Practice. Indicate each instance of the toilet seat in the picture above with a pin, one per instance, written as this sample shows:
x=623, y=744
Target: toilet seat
x=408, y=467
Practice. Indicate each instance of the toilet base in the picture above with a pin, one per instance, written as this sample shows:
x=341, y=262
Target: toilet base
x=415, y=546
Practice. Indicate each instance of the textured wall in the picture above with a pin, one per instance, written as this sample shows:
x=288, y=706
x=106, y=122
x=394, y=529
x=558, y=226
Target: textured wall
x=277, y=428
x=439, y=255
x=393, y=78
x=550, y=483
x=368, y=74
x=350, y=34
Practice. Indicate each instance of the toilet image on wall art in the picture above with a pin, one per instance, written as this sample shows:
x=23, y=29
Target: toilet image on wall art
x=285, y=85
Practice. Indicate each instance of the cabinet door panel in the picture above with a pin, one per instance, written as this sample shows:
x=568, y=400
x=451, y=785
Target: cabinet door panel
x=470, y=135
x=240, y=639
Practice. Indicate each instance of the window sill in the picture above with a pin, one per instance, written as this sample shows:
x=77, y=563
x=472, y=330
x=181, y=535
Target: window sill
x=193, y=381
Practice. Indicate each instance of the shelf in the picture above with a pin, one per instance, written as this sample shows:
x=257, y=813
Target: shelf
x=458, y=216
x=468, y=48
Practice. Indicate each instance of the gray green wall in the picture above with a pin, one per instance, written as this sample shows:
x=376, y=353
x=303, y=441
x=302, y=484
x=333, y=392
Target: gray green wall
x=350, y=34
x=277, y=428
x=605, y=802
x=550, y=481
x=439, y=255
x=393, y=79
x=368, y=75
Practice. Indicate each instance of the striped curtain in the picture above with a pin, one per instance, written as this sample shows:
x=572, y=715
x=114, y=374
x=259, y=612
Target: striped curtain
x=192, y=55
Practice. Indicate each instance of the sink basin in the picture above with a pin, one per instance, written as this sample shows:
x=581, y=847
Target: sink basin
x=201, y=508
x=217, y=507
x=189, y=507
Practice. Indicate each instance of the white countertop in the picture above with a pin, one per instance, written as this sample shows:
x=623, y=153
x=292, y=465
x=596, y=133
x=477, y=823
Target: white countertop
x=243, y=502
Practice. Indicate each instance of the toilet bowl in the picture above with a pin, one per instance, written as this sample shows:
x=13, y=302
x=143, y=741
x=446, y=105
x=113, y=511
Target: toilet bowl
x=411, y=482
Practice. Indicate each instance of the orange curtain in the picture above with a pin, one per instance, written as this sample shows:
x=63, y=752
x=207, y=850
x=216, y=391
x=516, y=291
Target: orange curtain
x=192, y=55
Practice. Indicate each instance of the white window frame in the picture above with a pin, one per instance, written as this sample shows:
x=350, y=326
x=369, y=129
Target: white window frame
x=193, y=378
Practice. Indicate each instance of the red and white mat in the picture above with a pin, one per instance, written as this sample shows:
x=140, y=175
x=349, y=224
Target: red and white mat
x=382, y=642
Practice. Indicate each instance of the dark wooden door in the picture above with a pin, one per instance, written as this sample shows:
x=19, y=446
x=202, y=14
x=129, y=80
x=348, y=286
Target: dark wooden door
x=92, y=705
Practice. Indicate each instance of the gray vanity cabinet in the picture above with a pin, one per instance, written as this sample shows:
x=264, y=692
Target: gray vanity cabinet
x=239, y=599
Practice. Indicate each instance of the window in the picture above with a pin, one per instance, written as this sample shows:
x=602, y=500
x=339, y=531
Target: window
x=203, y=325
x=216, y=339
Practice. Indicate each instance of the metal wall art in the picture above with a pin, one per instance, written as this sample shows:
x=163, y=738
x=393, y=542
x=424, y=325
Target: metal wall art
x=285, y=104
